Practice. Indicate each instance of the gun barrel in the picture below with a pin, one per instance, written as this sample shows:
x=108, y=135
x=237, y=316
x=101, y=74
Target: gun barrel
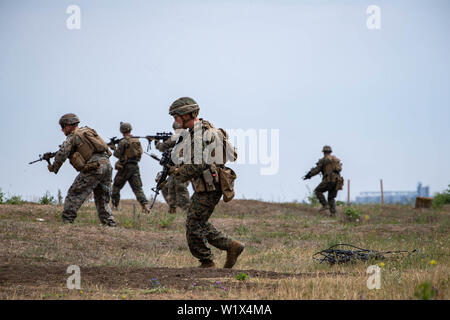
x=34, y=161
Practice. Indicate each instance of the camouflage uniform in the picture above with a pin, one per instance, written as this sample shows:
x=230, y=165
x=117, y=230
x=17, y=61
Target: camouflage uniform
x=199, y=231
x=128, y=171
x=329, y=166
x=174, y=191
x=97, y=181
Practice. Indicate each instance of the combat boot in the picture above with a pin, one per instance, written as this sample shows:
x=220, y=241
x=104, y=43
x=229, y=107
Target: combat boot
x=324, y=208
x=172, y=210
x=207, y=264
x=233, y=253
x=144, y=208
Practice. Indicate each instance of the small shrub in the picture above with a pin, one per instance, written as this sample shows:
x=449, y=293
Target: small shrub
x=242, y=276
x=311, y=198
x=441, y=198
x=352, y=213
x=165, y=222
x=1, y=196
x=340, y=203
x=15, y=200
x=47, y=199
x=425, y=291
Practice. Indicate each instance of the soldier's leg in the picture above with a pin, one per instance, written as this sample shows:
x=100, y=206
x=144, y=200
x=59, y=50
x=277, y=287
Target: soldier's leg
x=182, y=194
x=102, y=195
x=119, y=182
x=319, y=190
x=198, y=230
x=136, y=185
x=171, y=194
x=80, y=189
x=332, y=193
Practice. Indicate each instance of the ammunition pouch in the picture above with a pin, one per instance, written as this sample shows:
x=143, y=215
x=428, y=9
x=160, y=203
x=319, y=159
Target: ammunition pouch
x=227, y=177
x=340, y=183
x=209, y=180
x=91, y=166
x=77, y=161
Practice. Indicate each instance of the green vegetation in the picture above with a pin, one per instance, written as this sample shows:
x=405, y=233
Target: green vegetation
x=1, y=196
x=352, y=213
x=441, y=198
x=165, y=222
x=242, y=276
x=425, y=291
x=47, y=199
x=15, y=200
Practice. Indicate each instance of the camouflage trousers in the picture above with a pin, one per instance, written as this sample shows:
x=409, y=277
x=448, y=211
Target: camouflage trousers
x=176, y=193
x=130, y=173
x=98, y=182
x=199, y=231
x=330, y=187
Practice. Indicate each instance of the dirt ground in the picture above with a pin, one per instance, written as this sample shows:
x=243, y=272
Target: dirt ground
x=146, y=256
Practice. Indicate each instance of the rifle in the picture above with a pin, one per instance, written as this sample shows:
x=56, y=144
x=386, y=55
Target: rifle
x=165, y=162
x=163, y=136
x=113, y=141
x=46, y=156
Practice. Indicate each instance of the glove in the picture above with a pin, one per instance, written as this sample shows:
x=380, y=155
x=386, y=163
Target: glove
x=50, y=168
x=306, y=177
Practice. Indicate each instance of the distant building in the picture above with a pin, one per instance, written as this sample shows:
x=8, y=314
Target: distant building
x=401, y=197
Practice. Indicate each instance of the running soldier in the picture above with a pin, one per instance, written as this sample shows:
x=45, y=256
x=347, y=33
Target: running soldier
x=88, y=154
x=210, y=181
x=330, y=167
x=129, y=152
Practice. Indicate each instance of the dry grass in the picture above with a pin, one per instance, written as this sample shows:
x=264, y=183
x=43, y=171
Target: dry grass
x=118, y=263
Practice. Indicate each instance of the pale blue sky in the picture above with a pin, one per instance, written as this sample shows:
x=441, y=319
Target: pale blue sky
x=312, y=69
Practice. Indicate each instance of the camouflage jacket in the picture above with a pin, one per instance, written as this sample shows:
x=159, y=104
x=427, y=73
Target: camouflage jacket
x=202, y=136
x=330, y=168
x=68, y=147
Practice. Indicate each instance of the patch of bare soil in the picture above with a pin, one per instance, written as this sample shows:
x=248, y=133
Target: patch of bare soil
x=137, y=278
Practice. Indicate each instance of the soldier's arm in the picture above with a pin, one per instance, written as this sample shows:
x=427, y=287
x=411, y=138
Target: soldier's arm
x=163, y=146
x=317, y=169
x=63, y=153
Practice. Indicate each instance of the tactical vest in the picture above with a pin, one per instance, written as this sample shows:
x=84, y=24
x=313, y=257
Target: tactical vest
x=218, y=176
x=89, y=143
x=133, y=149
x=331, y=168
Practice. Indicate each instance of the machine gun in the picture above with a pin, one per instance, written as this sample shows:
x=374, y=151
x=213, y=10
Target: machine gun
x=163, y=136
x=46, y=156
x=166, y=163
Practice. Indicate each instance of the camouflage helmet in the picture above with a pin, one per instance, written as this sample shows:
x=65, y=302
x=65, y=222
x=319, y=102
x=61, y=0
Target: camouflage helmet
x=176, y=126
x=326, y=149
x=68, y=119
x=125, y=127
x=183, y=106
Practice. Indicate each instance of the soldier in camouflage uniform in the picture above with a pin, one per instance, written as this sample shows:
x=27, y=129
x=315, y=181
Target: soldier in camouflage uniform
x=129, y=152
x=330, y=167
x=174, y=191
x=89, y=155
x=207, y=188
